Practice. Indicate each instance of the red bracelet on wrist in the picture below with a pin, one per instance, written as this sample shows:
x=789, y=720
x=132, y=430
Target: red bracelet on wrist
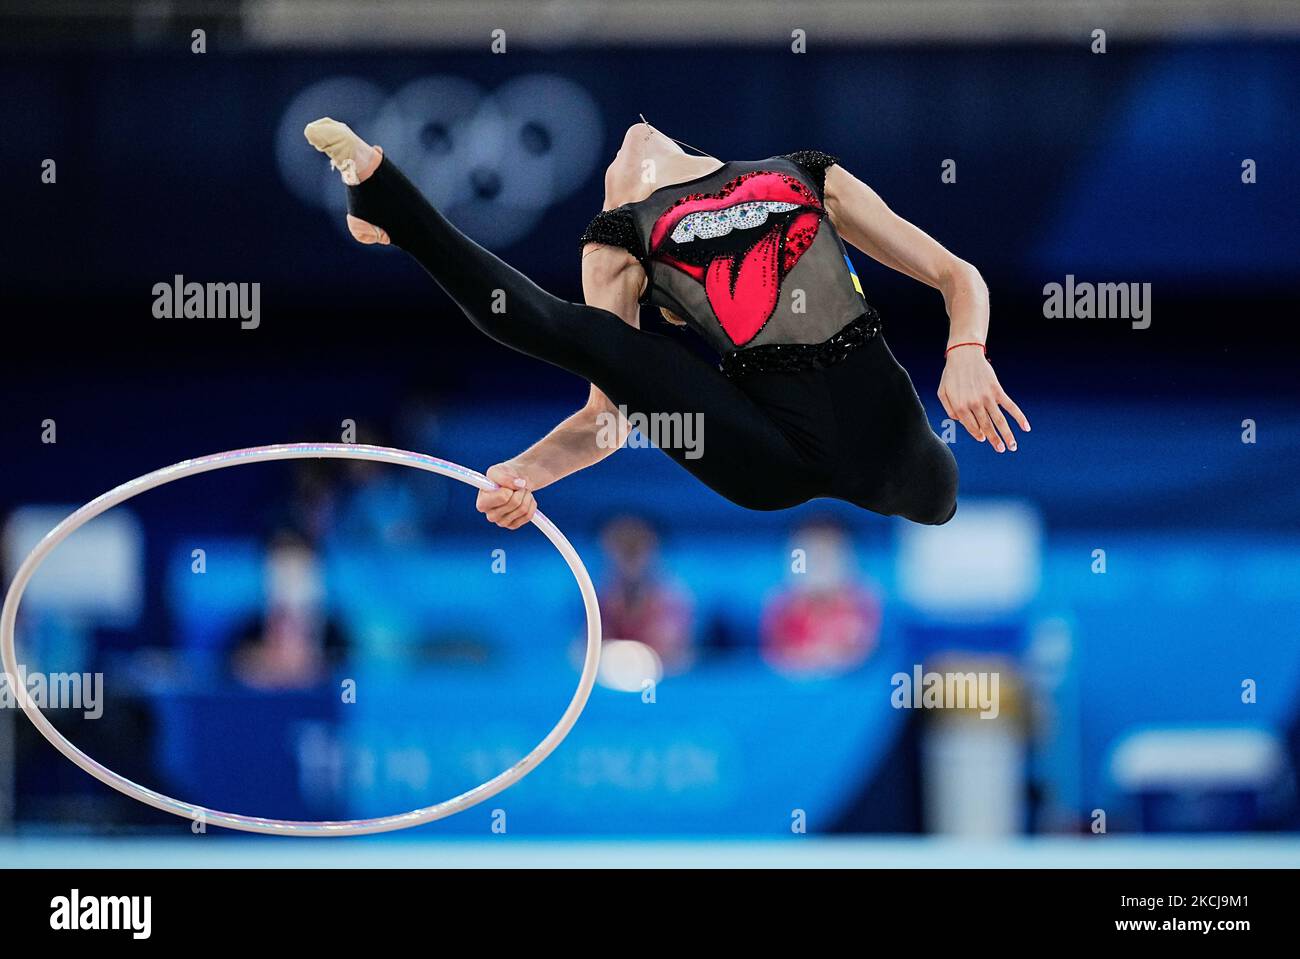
x=971, y=343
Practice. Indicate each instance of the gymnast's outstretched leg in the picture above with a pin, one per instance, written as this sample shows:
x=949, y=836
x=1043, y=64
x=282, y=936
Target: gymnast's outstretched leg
x=646, y=372
x=384, y=206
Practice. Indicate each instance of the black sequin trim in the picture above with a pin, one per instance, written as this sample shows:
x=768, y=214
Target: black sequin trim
x=800, y=357
x=815, y=164
x=616, y=228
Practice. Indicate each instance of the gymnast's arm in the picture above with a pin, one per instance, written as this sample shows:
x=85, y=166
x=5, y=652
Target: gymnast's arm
x=611, y=280
x=969, y=389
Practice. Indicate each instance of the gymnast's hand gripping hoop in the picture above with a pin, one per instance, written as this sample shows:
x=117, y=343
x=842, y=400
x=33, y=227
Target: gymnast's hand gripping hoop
x=285, y=827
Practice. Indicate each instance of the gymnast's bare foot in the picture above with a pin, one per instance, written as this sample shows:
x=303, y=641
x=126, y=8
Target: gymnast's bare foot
x=355, y=160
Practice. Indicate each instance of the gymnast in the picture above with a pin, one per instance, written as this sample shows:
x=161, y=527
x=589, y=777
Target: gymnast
x=807, y=400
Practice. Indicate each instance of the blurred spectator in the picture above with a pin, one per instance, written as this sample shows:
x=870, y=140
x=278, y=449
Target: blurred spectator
x=826, y=622
x=380, y=505
x=295, y=642
x=313, y=506
x=418, y=422
x=641, y=603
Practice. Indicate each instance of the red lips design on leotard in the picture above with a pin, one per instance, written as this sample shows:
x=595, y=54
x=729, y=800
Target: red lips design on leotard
x=743, y=285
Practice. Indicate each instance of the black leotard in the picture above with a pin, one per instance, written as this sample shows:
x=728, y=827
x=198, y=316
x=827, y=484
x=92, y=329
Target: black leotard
x=792, y=418
x=745, y=254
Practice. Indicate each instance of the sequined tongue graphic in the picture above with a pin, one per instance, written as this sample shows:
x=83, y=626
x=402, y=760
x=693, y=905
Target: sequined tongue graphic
x=740, y=243
x=743, y=288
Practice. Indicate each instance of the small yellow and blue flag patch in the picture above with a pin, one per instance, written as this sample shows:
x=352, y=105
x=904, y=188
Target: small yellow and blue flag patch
x=857, y=284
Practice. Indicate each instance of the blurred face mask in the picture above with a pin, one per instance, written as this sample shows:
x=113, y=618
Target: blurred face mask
x=830, y=561
x=293, y=580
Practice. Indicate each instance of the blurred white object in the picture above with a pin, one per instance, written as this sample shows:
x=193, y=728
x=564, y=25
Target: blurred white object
x=1175, y=758
x=627, y=666
x=974, y=779
x=293, y=580
x=96, y=573
x=985, y=561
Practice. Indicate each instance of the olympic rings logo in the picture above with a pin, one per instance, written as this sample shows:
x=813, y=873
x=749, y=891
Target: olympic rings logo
x=492, y=162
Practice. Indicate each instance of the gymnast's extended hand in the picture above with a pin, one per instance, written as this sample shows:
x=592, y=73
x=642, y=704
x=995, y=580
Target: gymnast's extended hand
x=971, y=394
x=969, y=389
x=581, y=440
x=611, y=280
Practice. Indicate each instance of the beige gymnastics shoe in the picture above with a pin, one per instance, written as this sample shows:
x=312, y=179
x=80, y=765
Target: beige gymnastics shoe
x=353, y=157
x=355, y=160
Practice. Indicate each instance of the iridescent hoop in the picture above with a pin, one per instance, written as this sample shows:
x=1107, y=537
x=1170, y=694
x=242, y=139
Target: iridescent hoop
x=349, y=827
